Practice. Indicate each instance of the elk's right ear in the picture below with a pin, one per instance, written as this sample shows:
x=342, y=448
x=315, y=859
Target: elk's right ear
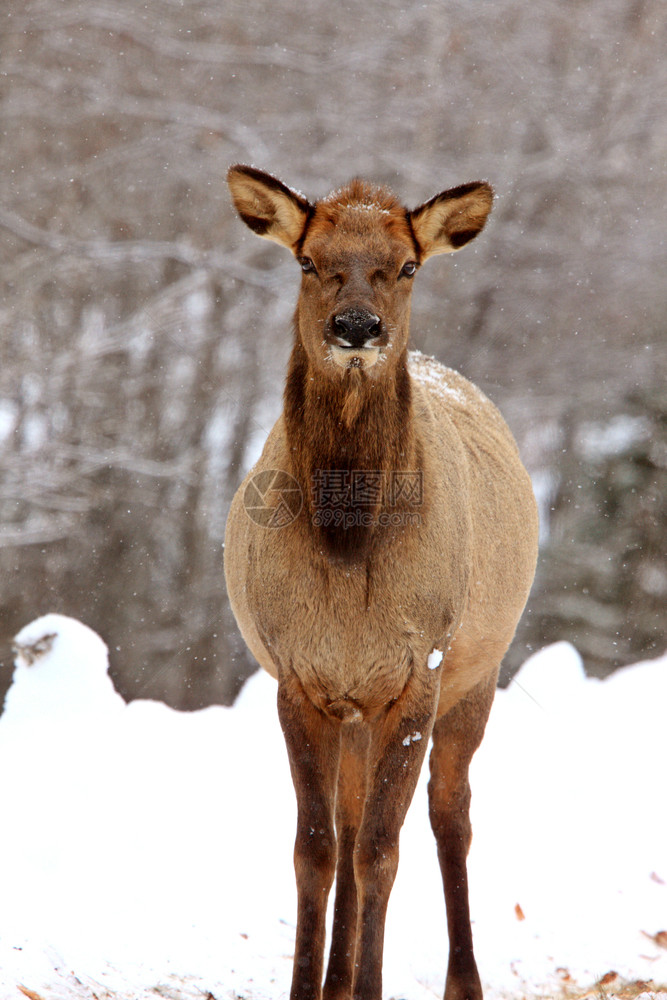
x=268, y=206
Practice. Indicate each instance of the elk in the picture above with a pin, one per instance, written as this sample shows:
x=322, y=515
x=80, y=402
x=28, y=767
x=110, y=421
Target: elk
x=384, y=579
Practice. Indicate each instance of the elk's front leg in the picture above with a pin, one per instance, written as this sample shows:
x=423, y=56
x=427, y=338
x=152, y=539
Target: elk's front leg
x=398, y=744
x=350, y=798
x=456, y=736
x=312, y=744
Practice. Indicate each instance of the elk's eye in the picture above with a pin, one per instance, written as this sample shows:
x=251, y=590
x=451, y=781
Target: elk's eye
x=307, y=265
x=408, y=269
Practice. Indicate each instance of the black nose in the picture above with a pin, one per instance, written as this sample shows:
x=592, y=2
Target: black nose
x=356, y=326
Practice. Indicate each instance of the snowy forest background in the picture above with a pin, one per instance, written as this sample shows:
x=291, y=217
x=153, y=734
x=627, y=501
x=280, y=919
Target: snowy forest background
x=144, y=332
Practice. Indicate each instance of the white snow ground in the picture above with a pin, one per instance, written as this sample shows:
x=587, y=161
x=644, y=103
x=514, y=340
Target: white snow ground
x=146, y=852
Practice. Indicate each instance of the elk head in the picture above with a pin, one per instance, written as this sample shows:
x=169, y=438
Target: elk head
x=359, y=250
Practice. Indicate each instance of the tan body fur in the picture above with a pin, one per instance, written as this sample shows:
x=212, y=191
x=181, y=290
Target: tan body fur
x=346, y=617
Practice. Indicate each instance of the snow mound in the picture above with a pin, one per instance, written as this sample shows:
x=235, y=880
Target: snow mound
x=61, y=673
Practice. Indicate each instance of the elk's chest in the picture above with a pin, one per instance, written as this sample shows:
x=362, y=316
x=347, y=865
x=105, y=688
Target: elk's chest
x=348, y=631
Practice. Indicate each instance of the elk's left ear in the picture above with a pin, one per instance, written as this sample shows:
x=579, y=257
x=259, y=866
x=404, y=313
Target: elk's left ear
x=451, y=219
x=268, y=206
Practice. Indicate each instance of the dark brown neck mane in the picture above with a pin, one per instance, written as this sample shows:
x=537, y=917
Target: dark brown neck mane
x=347, y=437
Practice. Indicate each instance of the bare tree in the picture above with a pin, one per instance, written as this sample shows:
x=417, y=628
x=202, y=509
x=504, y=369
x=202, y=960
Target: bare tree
x=133, y=393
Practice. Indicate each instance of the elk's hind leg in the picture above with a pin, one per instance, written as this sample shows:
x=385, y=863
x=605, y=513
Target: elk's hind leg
x=350, y=798
x=456, y=736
